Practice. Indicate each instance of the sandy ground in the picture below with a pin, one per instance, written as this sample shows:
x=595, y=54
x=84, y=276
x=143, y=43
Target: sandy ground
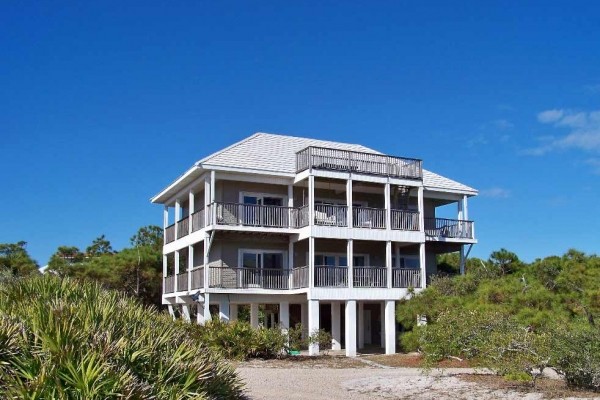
x=370, y=382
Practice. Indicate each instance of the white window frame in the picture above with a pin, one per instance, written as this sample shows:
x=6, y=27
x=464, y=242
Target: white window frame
x=262, y=252
x=284, y=199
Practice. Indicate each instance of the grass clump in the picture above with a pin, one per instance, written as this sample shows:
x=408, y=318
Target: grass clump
x=67, y=339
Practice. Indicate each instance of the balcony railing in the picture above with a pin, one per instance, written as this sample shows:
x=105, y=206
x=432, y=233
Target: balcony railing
x=369, y=277
x=170, y=233
x=252, y=215
x=331, y=215
x=329, y=276
x=300, y=277
x=197, y=277
x=406, y=277
x=448, y=228
x=198, y=220
x=183, y=227
x=405, y=220
x=365, y=217
x=169, y=284
x=182, y=281
x=224, y=277
x=300, y=217
x=359, y=162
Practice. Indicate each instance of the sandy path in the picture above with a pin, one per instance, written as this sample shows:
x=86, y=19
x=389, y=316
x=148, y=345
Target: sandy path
x=366, y=383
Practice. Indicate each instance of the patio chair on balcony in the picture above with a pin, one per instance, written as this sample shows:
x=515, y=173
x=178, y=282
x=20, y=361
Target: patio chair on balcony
x=321, y=218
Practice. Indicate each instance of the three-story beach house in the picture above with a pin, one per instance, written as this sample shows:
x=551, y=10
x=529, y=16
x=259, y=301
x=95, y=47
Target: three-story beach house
x=321, y=233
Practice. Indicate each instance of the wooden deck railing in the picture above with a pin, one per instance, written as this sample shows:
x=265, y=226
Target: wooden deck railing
x=183, y=227
x=300, y=217
x=182, y=281
x=169, y=284
x=449, y=228
x=170, y=233
x=224, y=277
x=329, y=276
x=251, y=215
x=331, y=215
x=406, y=277
x=198, y=220
x=365, y=217
x=359, y=162
x=300, y=277
x=369, y=277
x=405, y=220
x=197, y=277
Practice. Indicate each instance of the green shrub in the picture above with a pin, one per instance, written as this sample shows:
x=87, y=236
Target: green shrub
x=238, y=340
x=61, y=339
x=322, y=338
x=409, y=341
x=576, y=355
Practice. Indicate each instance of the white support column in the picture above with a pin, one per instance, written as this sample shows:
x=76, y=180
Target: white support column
x=165, y=223
x=185, y=312
x=350, y=328
x=313, y=325
x=311, y=200
x=290, y=263
x=460, y=210
x=191, y=205
x=207, y=316
x=462, y=260
x=349, y=217
x=190, y=265
x=304, y=319
x=311, y=262
x=382, y=321
x=421, y=204
x=350, y=261
x=336, y=326
x=284, y=316
x=254, y=315
x=224, y=310
x=213, y=187
x=175, y=283
x=388, y=262
x=390, y=327
x=177, y=216
x=171, y=311
x=465, y=207
x=388, y=207
x=200, y=313
x=423, y=265
x=361, y=325
x=208, y=208
x=233, y=312
x=290, y=194
x=206, y=260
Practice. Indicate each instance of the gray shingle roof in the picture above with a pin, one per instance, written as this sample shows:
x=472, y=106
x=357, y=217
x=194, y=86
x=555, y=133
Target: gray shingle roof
x=277, y=153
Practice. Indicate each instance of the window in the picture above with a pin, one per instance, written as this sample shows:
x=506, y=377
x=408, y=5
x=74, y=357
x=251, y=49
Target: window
x=407, y=262
x=340, y=260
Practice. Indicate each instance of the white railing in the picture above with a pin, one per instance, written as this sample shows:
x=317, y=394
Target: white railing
x=245, y=278
x=329, y=276
x=331, y=215
x=197, y=277
x=369, y=277
x=169, y=284
x=198, y=220
x=300, y=217
x=300, y=277
x=406, y=277
x=405, y=220
x=365, y=217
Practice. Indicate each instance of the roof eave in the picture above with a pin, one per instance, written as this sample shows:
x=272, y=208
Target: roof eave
x=165, y=194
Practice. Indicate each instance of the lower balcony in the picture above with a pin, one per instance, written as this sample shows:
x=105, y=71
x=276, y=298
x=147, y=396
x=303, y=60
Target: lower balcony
x=449, y=228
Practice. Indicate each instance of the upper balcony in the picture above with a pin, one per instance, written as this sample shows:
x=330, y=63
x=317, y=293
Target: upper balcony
x=358, y=162
x=436, y=228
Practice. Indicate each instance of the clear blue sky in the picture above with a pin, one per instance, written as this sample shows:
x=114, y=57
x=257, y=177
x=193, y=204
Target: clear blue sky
x=104, y=103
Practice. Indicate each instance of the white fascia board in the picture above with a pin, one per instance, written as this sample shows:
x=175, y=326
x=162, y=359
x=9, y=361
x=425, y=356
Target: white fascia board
x=161, y=198
x=247, y=170
x=469, y=193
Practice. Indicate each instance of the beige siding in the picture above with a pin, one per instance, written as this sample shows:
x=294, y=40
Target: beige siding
x=229, y=191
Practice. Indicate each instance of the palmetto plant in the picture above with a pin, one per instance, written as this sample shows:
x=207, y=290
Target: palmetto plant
x=66, y=339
